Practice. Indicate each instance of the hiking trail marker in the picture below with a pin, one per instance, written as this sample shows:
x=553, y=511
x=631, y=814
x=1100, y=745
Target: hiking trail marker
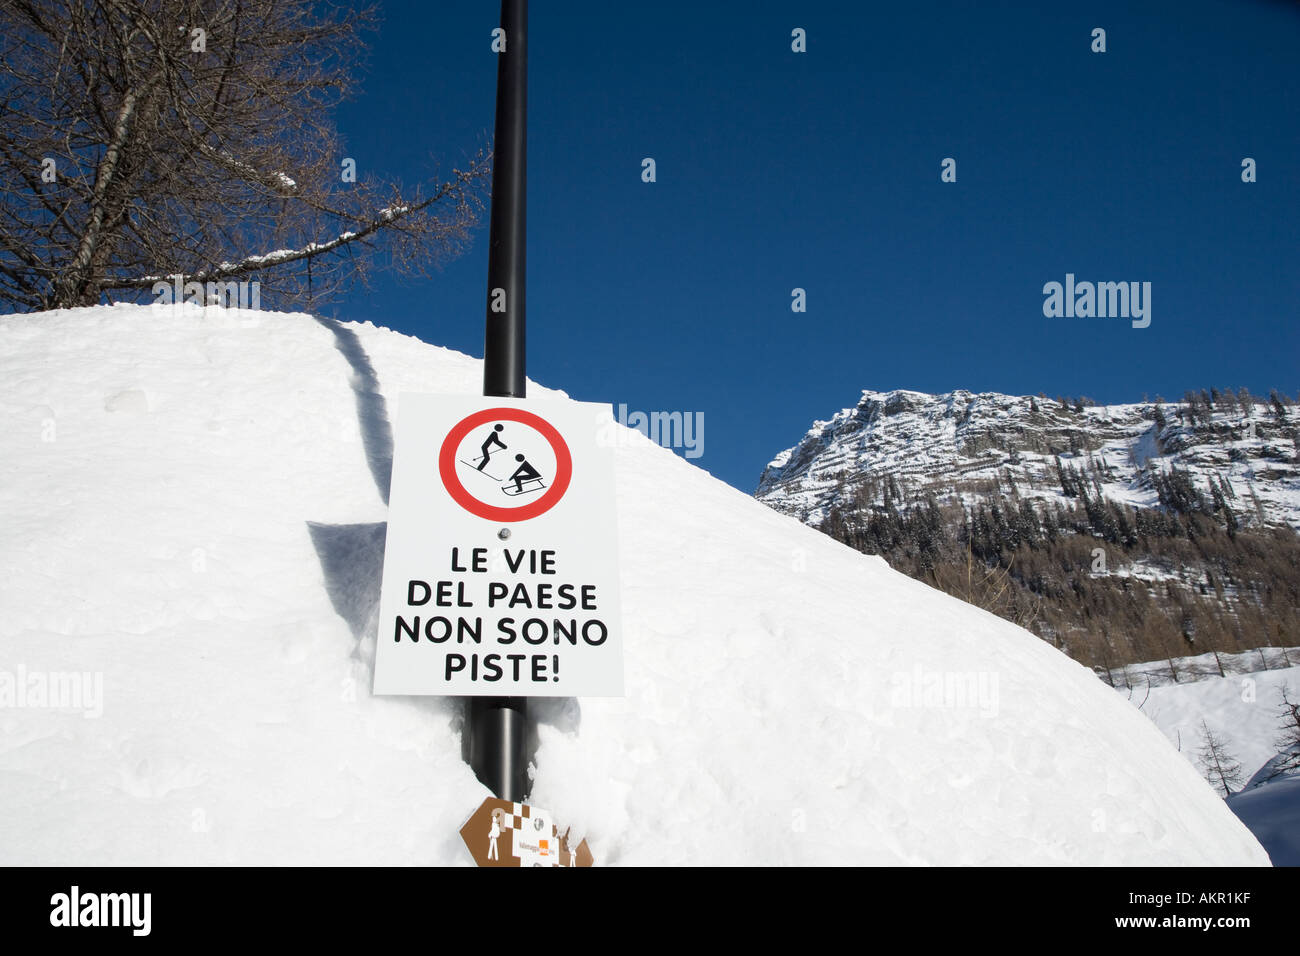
x=501, y=833
x=501, y=562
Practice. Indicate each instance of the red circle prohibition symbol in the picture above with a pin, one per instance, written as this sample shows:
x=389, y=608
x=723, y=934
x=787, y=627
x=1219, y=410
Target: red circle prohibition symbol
x=451, y=481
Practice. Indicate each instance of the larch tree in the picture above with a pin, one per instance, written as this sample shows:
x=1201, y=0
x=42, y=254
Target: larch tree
x=1288, y=736
x=147, y=139
x=1217, y=765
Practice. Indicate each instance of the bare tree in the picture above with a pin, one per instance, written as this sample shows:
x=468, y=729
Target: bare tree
x=1287, y=740
x=141, y=139
x=1220, y=770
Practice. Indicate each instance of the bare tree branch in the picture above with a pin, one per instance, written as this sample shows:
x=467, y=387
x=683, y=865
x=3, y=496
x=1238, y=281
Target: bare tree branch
x=145, y=138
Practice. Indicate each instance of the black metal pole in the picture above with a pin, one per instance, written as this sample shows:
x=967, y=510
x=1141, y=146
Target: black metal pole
x=503, y=352
x=497, y=727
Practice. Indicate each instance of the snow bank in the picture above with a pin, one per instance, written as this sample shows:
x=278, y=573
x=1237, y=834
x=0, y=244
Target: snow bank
x=193, y=503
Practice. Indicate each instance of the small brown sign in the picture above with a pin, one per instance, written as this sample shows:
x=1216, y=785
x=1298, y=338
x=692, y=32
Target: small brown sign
x=501, y=833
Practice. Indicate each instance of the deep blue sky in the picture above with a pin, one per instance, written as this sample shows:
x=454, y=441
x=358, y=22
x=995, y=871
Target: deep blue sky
x=821, y=170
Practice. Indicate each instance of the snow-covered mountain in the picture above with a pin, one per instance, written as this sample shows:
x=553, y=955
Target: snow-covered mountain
x=960, y=443
x=194, y=505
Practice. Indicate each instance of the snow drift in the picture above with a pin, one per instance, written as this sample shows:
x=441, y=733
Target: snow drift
x=193, y=505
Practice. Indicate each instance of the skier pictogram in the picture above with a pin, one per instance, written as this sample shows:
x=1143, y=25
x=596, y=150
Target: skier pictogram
x=480, y=462
x=493, y=436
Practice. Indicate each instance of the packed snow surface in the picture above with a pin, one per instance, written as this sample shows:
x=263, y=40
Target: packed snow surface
x=193, y=503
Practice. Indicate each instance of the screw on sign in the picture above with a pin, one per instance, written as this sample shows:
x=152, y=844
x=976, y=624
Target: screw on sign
x=501, y=833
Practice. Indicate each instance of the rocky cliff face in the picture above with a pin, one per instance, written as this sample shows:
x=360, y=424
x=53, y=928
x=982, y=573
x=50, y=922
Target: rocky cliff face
x=961, y=445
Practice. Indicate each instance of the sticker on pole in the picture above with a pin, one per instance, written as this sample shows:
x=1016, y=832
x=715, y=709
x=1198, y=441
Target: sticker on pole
x=501, y=833
x=500, y=566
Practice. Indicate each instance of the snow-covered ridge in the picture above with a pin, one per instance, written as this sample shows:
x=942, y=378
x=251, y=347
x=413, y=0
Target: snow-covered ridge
x=953, y=443
x=194, y=510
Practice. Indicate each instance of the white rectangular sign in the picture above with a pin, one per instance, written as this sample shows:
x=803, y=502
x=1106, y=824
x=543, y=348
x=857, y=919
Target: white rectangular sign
x=501, y=562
